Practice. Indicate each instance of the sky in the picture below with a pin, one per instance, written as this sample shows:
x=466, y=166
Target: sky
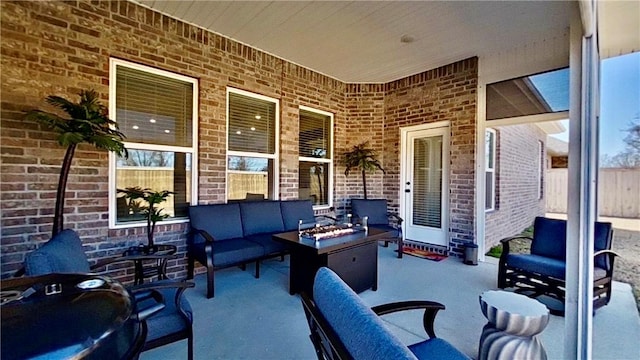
x=619, y=101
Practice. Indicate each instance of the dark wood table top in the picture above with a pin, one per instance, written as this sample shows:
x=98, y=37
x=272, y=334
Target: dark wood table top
x=328, y=245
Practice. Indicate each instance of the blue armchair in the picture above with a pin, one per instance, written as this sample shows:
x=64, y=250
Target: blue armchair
x=380, y=218
x=542, y=271
x=171, y=321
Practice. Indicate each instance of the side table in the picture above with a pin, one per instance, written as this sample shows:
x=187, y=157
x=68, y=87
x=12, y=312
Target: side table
x=514, y=320
x=150, y=261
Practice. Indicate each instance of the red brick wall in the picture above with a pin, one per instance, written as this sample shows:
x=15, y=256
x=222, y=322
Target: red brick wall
x=446, y=93
x=517, y=202
x=62, y=47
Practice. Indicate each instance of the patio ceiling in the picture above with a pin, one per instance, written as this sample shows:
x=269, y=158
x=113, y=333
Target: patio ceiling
x=380, y=41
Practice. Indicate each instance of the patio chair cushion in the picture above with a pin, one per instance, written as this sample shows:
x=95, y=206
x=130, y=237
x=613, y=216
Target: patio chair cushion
x=602, y=241
x=168, y=320
x=538, y=264
x=375, y=209
x=221, y=221
x=261, y=217
x=295, y=210
x=360, y=329
x=545, y=266
x=549, y=238
x=436, y=348
x=62, y=254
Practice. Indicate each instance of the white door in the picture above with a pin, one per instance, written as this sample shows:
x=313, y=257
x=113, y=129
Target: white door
x=425, y=154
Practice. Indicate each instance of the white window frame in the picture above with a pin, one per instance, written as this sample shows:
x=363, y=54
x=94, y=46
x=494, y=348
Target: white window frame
x=275, y=156
x=487, y=169
x=540, y=169
x=193, y=150
x=322, y=160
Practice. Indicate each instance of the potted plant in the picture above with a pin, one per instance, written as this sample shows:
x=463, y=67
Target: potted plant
x=87, y=122
x=362, y=158
x=153, y=214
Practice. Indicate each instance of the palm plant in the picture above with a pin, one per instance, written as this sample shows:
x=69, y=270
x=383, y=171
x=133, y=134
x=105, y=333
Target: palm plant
x=149, y=210
x=362, y=158
x=87, y=123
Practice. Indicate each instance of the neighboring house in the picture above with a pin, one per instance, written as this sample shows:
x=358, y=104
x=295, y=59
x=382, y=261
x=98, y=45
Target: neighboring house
x=520, y=164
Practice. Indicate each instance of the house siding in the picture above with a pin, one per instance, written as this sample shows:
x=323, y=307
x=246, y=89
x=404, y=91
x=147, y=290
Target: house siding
x=517, y=202
x=62, y=47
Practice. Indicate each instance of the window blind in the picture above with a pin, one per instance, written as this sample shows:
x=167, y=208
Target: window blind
x=315, y=135
x=251, y=124
x=154, y=109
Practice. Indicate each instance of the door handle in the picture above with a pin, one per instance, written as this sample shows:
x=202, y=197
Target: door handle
x=407, y=190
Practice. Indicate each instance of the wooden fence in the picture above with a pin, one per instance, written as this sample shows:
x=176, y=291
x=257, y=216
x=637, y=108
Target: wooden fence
x=618, y=192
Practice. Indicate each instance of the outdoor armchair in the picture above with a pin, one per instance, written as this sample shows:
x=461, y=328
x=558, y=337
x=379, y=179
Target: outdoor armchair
x=160, y=304
x=542, y=271
x=343, y=327
x=380, y=217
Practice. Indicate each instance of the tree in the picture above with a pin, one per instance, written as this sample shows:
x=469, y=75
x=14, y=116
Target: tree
x=87, y=123
x=362, y=158
x=630, y=156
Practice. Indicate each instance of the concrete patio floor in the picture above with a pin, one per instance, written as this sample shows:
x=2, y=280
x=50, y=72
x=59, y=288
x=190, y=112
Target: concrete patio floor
x=257, y=318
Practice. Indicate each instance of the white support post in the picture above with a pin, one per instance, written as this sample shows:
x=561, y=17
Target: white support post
x=583, y=169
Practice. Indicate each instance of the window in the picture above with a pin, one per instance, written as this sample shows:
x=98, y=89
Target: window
x=157, y=112
x=315, y=148
x=540, y=169
x=490, y=169
x=252, y=146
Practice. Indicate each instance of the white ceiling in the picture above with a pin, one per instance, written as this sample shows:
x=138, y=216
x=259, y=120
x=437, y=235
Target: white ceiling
x=359, y=41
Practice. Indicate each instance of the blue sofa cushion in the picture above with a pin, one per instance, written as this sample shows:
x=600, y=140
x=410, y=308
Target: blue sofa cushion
x=538, y=264
x=294, y=211
x=360, y=329
x=549, y=238
x=229, y=251
x=436, y=349
x=261, y=217
x=267, y=243
x=62, y=254
x=222, y=221
x=375, y=209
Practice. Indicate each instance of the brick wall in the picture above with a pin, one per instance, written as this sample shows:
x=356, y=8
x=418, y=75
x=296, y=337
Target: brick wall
x=517, y=202
x=446, y=93
x=62, y=47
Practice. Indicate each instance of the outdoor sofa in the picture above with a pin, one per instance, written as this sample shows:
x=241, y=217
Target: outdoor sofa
x=237, y=233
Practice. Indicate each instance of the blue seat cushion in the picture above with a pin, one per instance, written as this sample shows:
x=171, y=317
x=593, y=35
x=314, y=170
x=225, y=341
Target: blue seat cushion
x=538, y=264
x=358, y=327
x=267, y=243
x=261, y=217
x=62, y=254
x=230, y=251
x=375, y=209
x=222, y=221
x=168, y=320
x=436, y=349
x=295, y=210
x=549, y=238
